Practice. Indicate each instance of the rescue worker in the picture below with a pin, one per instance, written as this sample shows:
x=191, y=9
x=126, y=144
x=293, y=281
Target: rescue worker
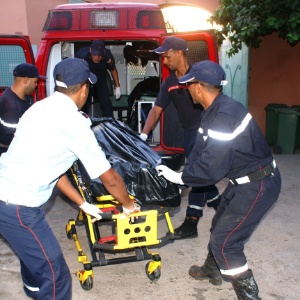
x=100, y=60
x=229, y=145
x=16, y=100
x=47, y=142
x=173, y=55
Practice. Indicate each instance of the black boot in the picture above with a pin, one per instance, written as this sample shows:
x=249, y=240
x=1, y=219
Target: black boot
x=208, y=271
x=188, y=229
x=245, y=286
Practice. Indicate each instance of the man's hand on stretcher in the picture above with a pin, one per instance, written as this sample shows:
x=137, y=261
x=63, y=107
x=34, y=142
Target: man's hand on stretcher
x=92, y=210
x=95, y=211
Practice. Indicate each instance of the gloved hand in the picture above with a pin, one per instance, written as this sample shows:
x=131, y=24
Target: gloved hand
x=92, y=210
x=127, y=212
x=169, y=174
x=118, y=93
x=143, y=137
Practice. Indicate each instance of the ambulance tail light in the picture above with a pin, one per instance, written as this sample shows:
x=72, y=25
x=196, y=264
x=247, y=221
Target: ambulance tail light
x=58, y=21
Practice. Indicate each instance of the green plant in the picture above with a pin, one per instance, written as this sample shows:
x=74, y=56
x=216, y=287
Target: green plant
x=247, y=21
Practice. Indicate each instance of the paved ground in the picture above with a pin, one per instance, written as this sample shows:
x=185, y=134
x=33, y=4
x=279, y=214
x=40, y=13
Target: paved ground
x=273, y=254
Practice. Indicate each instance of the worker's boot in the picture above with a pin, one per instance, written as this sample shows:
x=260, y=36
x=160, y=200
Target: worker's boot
x=208, y=271
x=188, y=229
x=245, y=286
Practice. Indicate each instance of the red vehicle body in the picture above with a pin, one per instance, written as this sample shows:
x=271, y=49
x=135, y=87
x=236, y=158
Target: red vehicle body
x=70, y=27
x=14, y=50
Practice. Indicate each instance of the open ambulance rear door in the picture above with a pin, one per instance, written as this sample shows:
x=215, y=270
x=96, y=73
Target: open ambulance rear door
x=14, y=50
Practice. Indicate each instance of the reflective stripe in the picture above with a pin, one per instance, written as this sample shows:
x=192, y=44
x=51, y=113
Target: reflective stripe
x=213, y=199
x=196, y=207
x=31, y=288
x=230, y=136
x=8, y=124
x=236, y=271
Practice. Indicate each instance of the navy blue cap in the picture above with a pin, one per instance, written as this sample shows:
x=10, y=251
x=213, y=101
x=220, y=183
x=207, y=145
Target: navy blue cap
x=73, y=71
x=172, y=43
x=97, y=48
x=206, y=71
x=27, y=70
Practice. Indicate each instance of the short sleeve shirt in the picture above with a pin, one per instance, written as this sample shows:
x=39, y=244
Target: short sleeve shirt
x=50, y=136
x=188, y=112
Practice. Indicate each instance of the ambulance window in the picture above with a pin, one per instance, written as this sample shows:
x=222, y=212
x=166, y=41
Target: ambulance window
x=197, y=51
x=10, y=57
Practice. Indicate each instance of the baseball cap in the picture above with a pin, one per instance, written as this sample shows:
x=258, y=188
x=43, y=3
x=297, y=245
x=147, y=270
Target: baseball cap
x=73, y=71
x=97, y=48
x=206, y=71
x=172, y=43
x=27, y=70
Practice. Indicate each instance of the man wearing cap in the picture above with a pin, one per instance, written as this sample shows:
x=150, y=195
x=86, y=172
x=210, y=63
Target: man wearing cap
x=229, y=145
x=173, y=56
x=15, y=101
x=100, y=60
x=47, y=142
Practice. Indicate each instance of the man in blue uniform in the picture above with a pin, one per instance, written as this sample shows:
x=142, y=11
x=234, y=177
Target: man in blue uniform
x=15, y=101
x=173, y=56
x=50, y=136
x=229, y=145
x=100, y=60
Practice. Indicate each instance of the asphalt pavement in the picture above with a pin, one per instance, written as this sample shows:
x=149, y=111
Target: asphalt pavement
x=272, y=251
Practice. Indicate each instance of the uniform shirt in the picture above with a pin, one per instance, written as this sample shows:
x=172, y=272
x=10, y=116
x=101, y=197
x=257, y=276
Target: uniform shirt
x=188, y=112
x=51, y=135
x=11, y=110
x=100, y=69
x=229, y=144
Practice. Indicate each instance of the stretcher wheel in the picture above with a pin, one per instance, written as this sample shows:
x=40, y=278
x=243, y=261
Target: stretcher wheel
x=87, y=285
x=155, y=275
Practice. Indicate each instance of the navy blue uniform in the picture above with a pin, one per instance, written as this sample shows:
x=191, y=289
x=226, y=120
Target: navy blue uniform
x=231, y=145
x=11, y=110
x=101, y=92
x=189, y=116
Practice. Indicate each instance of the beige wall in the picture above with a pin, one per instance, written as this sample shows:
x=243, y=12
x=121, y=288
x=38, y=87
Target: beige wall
x=13, y=17
x=26, y=17
x=274, y=76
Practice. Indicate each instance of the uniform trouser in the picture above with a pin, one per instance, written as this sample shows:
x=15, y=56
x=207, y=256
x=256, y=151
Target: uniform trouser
x=44, y=271
x=240, y=211
x=198, y=196
x=101, y=94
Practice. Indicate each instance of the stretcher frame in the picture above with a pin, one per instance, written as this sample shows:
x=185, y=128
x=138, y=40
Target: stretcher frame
x=127, y=234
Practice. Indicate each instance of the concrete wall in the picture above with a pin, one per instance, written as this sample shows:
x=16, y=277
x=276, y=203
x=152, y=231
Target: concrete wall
x=13, y=17
x=274, y=76
x=26, y=17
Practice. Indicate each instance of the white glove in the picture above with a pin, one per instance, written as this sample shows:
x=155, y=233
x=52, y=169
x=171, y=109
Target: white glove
x=169, y=174
x=143, y=137
x=128, y=212
x=92, y=210
x=118, y=93
x=135, y=209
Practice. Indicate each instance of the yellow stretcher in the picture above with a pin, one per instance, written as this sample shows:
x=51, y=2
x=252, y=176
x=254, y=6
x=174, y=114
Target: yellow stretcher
x=125, y=234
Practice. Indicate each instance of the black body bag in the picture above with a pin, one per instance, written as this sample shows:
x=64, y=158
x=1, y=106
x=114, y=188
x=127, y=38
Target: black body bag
x=135, y=161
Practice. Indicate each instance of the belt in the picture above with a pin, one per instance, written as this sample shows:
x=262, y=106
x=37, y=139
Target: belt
x=258, y=175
